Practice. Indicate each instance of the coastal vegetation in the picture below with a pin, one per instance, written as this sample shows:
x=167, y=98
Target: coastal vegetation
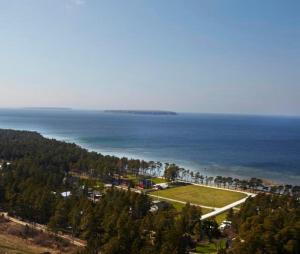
x=267, y=224
x=51, y=182
x=35, y=174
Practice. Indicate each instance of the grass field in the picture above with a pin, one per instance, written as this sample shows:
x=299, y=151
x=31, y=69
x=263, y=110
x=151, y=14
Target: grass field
x=201, y=195
x=15, y=239
x=211, y=248
x=13, y=245
x=178, y=206
x=135, y=179
x=221, y=217
x=158, y=180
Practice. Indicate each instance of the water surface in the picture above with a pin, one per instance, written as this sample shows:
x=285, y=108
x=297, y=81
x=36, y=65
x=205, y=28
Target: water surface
x=239, y=146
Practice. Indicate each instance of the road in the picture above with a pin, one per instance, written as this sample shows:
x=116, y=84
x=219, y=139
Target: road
x=77, y=242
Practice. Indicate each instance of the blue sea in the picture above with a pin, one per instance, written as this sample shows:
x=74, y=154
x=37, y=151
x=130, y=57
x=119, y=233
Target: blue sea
x=242, y=146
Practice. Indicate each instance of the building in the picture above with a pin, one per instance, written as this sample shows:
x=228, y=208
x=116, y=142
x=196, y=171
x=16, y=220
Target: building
x=225, y=224
x=161, y=186
x=158, y=205
x=95, y=196
x=66, y=194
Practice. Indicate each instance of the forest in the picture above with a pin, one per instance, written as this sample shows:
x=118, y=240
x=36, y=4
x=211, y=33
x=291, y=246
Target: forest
x=36, y=170
x=267, y=224
x=34, y=173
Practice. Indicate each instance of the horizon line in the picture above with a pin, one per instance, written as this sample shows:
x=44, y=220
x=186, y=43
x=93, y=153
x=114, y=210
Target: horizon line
x=155, y=110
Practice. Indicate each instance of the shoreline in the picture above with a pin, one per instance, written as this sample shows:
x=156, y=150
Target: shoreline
x=217, y=170
x=239, y=172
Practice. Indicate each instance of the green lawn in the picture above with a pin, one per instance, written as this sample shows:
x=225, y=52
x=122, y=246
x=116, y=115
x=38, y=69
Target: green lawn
x=135, y=179
x=221, y=217
x=178, y=206
x=211, y=248
x=201, y=195
x=158, y=180
x=238, y=206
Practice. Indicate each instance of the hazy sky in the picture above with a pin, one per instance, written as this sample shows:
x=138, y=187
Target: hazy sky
x=193, y=56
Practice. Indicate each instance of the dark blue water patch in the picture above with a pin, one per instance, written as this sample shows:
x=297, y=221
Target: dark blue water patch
x=218, y=144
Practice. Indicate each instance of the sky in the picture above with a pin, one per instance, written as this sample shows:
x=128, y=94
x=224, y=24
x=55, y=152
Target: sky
x=188, y=56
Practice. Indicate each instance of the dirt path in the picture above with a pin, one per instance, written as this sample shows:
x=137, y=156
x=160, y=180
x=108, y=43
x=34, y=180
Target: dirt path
x=77, y=242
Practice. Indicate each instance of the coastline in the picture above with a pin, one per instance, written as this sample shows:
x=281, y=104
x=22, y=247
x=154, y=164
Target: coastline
x=69, y=134
x=207, y=170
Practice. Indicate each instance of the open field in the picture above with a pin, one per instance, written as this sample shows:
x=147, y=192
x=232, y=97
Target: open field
x=15, y=238
x=221, y=217
x=135, y=179
x=178, y=206
x=211, y=248
x=158, y=180
x=201, y=195
x=12, y=245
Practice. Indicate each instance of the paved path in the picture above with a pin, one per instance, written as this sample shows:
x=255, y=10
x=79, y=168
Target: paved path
x=75, y=241
x=224, y=208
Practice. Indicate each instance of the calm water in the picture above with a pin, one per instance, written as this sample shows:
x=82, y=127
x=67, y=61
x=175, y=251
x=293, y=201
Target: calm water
x=242, y=146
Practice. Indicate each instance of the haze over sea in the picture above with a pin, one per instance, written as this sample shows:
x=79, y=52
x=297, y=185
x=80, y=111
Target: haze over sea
x=242, y=146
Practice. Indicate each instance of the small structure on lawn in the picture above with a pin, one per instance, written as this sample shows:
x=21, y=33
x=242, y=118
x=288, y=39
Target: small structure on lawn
x=66, y=194
x=95, y=196
x=161, y=186
x=225, y=224
x=158, y=205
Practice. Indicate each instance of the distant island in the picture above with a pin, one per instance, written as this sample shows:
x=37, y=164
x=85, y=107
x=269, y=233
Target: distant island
x=142, y=112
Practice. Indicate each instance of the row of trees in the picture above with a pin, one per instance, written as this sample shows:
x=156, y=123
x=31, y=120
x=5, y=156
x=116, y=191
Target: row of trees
x=17, y=145
x=173, y=172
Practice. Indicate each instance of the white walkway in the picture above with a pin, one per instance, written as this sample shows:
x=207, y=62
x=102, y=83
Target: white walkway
x=224, y=208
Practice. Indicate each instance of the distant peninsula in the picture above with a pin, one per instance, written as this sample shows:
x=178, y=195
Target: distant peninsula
x=142, y=112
